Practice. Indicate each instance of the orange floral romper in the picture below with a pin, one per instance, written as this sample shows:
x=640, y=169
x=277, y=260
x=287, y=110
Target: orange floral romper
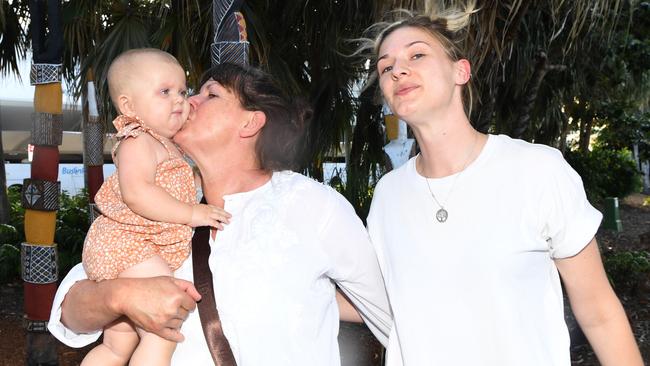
x=120, y=238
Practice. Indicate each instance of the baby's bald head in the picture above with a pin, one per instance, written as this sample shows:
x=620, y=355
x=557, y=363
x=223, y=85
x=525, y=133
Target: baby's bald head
x=126, y=68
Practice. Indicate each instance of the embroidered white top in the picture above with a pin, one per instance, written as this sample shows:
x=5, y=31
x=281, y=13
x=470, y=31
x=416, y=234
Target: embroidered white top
x=274, y=268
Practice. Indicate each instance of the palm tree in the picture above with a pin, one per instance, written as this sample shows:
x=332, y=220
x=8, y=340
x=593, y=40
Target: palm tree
x=13, y=47
x=530, y=40
x=289, y=39
x=304, y=43
x=301, y=42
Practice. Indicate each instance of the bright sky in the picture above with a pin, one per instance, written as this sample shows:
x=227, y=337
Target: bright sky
x=13, y=89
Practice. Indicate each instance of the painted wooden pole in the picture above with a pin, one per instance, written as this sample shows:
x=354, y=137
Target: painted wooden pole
x=230, y=38
x=93, y=138
x=40, y=194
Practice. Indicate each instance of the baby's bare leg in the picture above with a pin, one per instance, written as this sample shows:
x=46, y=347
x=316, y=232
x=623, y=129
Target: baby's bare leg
x=152, y=350
x=120, y=340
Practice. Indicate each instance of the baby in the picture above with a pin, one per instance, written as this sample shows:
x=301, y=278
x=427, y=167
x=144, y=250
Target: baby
x=149, y=205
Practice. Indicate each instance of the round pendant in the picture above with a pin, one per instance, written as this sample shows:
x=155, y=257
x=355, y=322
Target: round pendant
x=441, y=215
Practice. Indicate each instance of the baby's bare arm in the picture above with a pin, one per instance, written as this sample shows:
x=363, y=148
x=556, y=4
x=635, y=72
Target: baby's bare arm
x=137, y=159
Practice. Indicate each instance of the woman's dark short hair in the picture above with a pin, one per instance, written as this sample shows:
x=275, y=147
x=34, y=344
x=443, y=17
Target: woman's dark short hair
x=281, y=141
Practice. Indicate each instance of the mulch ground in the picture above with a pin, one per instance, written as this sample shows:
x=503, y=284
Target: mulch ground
x=635, y=218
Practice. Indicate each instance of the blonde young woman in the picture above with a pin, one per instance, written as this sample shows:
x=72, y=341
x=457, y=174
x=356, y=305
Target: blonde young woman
x=474, y=233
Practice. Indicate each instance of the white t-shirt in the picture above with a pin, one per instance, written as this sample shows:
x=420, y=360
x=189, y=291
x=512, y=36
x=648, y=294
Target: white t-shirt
x=273, y=268
x=481, y=288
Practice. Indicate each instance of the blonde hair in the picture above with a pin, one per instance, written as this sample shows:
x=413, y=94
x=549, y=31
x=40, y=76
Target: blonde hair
x=448, y=26
x=124, y=67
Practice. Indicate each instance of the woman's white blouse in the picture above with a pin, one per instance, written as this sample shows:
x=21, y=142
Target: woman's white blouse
x=274, y=268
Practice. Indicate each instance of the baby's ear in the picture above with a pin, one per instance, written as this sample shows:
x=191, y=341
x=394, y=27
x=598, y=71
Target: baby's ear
x=125, y=106
x=253, y=125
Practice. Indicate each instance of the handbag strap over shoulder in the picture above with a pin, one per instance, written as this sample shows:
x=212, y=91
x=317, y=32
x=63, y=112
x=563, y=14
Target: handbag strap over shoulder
x=217, y=342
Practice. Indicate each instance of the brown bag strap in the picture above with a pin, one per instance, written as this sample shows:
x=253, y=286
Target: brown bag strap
x=217, y=342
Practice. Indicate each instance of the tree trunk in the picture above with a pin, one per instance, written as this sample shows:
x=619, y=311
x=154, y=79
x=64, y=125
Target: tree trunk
x=530, y=95
x=586, y=125
x=563, y=134
x=4, y=201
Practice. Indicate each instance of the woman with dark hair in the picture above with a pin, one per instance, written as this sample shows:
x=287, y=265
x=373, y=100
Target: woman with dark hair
x=274, y=266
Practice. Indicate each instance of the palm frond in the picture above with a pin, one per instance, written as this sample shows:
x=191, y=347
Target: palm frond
x=13, y=38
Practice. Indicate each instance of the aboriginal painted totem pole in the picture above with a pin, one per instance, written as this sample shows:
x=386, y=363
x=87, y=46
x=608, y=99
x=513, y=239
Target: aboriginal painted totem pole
x=230, y=38
x=93, y=143
x=40, y=194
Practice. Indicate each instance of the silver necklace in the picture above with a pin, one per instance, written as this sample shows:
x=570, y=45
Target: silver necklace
x=442, y=214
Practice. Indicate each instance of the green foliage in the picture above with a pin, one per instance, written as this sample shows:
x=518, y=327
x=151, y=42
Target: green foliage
x=607, y=80
x=627, y=269
x=16, y=211
x=8, y=234
x=71, y=227
x=606, y=173
x=359, y=195
x=624, y=126
x=9, y=262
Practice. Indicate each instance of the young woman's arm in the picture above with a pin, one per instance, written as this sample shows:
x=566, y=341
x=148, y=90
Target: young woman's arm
x=597, y=309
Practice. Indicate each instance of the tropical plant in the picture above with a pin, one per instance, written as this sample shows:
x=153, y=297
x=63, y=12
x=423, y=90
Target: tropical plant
x=606, y=172
x=627, y=270
x=623, y=127
x=9, y=263
x=71, y=227
x=13, y=47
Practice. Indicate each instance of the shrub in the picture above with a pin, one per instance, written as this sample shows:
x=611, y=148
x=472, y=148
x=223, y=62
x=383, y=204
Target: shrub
x=9, y=234
x=9, y=263
x=606, y=173
x=627, y=269
x=71, y=227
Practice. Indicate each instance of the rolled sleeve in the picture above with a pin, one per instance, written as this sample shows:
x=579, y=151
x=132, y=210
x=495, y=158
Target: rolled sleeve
x=571, y=221
x=56, y=328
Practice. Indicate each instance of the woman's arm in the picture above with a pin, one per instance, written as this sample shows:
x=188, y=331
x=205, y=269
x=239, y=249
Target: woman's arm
x=90, y=306
x=597, y=309
x=137, y=161
x=354, y=265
